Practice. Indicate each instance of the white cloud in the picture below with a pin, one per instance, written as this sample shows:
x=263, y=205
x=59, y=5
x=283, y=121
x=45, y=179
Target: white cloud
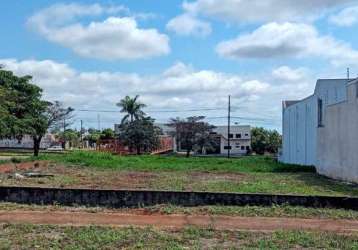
x=114, y=38
x=346, y=17
x=262, y=10
x=286, y=73
x=179, y=87
x=187, y=25
x=277, y=40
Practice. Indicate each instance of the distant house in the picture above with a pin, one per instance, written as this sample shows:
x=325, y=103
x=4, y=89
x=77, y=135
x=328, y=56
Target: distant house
x=27, y=143
x=321, y=130
x=240, y=139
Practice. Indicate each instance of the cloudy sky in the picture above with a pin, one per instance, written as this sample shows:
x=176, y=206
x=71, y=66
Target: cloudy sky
x=182, y=57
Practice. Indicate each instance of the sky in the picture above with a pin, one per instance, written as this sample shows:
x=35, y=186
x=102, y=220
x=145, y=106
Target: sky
x=182, y=57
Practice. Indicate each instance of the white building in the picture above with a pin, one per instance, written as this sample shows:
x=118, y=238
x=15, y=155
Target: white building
x=240, y=139
x=314, y=128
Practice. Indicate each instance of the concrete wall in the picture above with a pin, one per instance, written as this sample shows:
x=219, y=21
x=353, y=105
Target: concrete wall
x=300, y=132
x=338, y=139
x=300, y=122
x=127, y=198
x=27, y=142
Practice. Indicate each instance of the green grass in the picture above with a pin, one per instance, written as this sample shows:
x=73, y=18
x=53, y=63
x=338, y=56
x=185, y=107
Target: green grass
x=256, y=174
x=52, y=237
x=175, y=163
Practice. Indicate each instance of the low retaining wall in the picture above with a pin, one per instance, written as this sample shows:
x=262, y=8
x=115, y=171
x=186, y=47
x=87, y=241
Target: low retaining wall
x=124, y=198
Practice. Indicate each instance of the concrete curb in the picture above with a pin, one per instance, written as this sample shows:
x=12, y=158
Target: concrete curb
x=128, y=198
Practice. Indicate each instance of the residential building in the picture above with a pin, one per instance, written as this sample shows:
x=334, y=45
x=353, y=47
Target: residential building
x=317, y=129
x=240, y=139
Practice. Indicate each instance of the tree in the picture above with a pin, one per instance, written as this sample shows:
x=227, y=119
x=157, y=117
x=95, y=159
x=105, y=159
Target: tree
x=132, y=107
x=192, y=133
x=71, y=136
x=93, y=136
x=59, y=118
x=264, y=140
x=140, y=134
x=107, y=134
x=22, y=110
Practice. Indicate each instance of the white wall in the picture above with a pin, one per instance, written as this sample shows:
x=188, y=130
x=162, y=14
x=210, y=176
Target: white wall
x=27, y=142
x=300, y=122
x=338, y=139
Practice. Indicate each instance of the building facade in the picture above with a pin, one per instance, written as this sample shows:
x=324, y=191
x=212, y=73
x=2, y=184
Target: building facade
x=309, y=134
x=240, y=139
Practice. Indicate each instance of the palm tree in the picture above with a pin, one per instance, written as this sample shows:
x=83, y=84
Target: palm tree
x=132, y=107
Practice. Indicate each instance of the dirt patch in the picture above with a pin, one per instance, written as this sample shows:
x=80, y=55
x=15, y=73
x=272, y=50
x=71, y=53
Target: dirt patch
x=75, y=177
x=204, y=176
x=10, y=168
x=227, y=223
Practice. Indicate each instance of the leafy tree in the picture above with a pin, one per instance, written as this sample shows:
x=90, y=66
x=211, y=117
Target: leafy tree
x=132, y=107
x=192, y=133
x=22, y=110
x=264, y=140
x=107, y=134
x=71, y=136
x=140, y=134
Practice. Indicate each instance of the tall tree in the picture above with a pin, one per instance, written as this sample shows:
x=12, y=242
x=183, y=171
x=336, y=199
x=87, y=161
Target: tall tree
x=192, y=133
x=132, y=107
x=140, y=134
x=263, y=140
x=23, y=112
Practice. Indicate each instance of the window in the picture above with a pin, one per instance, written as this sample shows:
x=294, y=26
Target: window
x=238, y=136
x=227, y=147
x=242, y=147
x=246, y=135
x=247, y=148
x=320, y=113
x=231, y=136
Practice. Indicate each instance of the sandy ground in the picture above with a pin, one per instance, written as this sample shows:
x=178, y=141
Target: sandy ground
x=176, y=222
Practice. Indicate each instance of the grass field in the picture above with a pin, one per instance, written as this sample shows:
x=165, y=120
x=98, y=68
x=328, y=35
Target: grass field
x=52, y=237
x=245, y=175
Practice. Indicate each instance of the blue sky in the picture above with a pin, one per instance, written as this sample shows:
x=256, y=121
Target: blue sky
x=180, y=55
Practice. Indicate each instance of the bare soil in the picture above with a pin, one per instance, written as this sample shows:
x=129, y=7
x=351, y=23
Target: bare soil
x=177, y=222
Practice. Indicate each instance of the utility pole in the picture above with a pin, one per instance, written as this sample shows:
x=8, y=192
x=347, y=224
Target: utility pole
x=64, y=133
x=348, y=73
x=228, y=128
x=99, y=122
x=81, y=134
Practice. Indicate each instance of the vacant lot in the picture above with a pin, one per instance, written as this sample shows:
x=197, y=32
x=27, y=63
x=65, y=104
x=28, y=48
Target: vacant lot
x=247, y=175
x=52, y=237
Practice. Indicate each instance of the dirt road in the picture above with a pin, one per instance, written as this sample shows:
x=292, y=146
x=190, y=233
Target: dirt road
x=176, y=221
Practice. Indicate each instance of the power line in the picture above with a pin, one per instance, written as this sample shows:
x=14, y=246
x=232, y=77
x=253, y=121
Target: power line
x=152, y=111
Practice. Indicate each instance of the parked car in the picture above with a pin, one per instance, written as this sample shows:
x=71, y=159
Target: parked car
x=55, y=148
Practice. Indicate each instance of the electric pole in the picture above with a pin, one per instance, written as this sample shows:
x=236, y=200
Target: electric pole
x=228, y=128
x=81, y=134
x=99, y=122
x=348, y=73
